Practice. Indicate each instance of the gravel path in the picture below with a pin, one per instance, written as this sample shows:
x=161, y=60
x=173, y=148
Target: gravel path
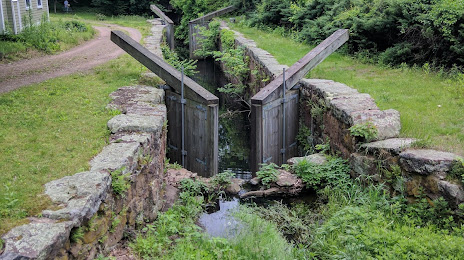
x=79, y=59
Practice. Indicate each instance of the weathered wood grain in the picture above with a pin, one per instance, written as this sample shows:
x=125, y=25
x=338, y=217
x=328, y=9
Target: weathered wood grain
x=298, y=70
x=169, y=25
x=165, y=71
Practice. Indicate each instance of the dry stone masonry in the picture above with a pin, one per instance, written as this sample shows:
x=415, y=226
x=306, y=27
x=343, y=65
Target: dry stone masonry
x=330, y=108
x=122, y=189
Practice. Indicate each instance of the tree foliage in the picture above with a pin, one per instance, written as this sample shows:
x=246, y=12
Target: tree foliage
x=391, y=31
x=121, y=7
x=190, y=10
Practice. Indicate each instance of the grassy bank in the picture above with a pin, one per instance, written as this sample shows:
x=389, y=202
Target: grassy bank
x=52, y=129
x=431, y=104
x=87, y=16
x=46, y=38
x=347, y=221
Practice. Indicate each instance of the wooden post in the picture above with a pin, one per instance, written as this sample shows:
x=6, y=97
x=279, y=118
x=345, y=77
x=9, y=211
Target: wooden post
x=266, y=127
x=169, y=25
x=298, y=70
x=194, y=28
x=201, y=111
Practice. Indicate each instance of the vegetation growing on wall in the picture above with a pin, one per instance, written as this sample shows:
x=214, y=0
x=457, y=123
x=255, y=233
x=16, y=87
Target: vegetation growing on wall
x=190, y=10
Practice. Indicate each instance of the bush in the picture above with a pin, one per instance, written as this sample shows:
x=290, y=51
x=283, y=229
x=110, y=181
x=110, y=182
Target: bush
x=392, y=31
x=118, y=7
x=334, y=173
x=190, y=10
x=268, y=173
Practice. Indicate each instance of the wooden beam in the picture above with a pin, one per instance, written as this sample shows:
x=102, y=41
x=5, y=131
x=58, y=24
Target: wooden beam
x=168, y=73
x=169, y=25
x=213, y=14
x=298, y=70
x=161, y=14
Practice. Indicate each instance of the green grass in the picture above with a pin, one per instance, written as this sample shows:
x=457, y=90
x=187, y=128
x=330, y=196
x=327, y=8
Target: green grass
x=174, y=235
x=52, y=129
x=431, y=105
x=88, y=16
x=47, y=37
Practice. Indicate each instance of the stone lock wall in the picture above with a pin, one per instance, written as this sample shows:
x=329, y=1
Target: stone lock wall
x=330, y=108
x=260, y=60
x=122, y=189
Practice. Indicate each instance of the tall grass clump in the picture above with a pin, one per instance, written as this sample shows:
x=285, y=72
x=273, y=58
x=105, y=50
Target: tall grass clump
x=47, y=37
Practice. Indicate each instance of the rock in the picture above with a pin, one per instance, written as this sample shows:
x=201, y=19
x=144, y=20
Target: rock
x=250, y=194
x=36, y=241
x=127, y=96
x=136, y=123
x=363, y=165
x=453, y=193
x=317, y=158
x=426, y=162
x=146, y=109
x=343, y=107
x=387, y=122
x=174, y=177
x=235, y=187
x=286, y=185
x=255, y=181
x=328, y=89
x=272, y=192
x=394, y=146
x=171, y=195
x=117, y=156
x=140, y=138
x=80, y=195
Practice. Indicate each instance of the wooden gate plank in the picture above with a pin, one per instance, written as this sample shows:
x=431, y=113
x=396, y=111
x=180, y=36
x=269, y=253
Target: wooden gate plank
x=298, y=70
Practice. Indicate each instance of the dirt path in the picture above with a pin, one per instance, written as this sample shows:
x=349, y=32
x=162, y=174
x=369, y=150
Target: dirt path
x=79, y=59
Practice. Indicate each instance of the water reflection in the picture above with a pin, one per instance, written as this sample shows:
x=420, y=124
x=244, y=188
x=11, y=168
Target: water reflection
x=234, y=127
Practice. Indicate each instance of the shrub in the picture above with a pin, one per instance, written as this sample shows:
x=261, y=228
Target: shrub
x=120, y=182
x=174, y=60
x=190, y=10
x=221, y=180
x=334, y=173
x=194, y=187
x=118, y=7
x=392, y=31
x=367, y=131
x=268, y=173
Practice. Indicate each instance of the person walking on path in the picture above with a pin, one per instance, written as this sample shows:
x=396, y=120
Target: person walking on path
x=66, y=6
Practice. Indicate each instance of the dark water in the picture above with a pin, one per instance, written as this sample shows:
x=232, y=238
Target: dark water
x=234, y=155
x=221, y=223
x=234, y=126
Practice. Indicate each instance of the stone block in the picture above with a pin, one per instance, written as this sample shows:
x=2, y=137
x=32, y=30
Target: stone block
x=387, y=122
x=146, y=109
x=80, y=195
x=453, y=193
x=344, y=106
x=317, y=158
x=394, y=145
x=36, y=241
x=117, y=156
x=141, y=138
x=127, y=96
x=136, y=123
x=327, y=89
x=425, y=161
x=363, y=165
